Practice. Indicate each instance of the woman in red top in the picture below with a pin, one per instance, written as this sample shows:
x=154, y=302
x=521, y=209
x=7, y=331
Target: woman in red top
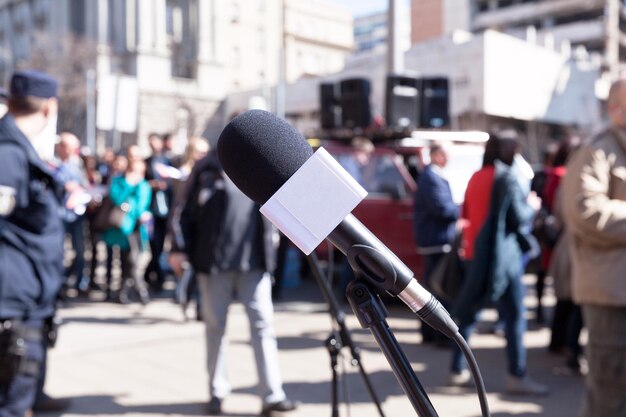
x=477, y=199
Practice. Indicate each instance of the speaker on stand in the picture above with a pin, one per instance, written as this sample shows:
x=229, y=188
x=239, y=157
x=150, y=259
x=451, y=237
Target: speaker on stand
x=355, y=102
x=402, y=101
x=330, y=111
x=435, y=102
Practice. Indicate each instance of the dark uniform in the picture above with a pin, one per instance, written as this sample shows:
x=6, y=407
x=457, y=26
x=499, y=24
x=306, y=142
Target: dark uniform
x=31, y=254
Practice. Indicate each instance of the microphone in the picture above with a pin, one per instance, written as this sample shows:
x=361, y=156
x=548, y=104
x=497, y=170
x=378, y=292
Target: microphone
x=261, y=153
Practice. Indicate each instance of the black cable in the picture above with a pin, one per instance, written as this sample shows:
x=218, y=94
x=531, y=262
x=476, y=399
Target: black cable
x=478, y=379
x=436, y=316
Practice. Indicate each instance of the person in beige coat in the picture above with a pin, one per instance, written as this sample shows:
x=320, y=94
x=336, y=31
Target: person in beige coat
x=594, y=203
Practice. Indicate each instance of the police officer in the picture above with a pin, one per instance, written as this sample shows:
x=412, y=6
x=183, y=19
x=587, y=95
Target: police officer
x=31, y=237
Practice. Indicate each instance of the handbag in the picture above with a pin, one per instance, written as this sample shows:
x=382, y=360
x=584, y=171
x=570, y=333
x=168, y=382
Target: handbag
x=109, y=215
x=447, y=278
x=546, y=228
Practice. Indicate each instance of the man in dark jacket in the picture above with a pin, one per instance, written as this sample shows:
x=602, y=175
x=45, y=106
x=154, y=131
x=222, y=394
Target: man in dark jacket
x=160, y=208
x=231, y=248
x=31, y=237
x=436, y=215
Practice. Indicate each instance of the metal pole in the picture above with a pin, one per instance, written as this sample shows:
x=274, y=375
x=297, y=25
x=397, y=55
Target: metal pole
x=395, y=57
x=280, y=86
x=91, y=110
x=117, y=135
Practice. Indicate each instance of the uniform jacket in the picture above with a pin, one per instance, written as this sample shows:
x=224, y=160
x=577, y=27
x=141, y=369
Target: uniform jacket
x=219, y=223
x=594, y=208
x=31, y=232
x=435, y=211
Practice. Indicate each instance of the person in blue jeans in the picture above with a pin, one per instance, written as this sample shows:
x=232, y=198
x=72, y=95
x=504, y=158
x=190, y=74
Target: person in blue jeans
x=71, y=172
x=494, y=275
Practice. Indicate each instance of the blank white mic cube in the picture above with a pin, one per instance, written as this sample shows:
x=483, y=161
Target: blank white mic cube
x=312, y=203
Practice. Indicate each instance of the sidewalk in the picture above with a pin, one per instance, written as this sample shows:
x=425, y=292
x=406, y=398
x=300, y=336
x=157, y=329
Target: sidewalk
x=127, y=360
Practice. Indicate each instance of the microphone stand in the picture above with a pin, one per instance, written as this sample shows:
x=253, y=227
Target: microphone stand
x=371, y=313
x=339, y=339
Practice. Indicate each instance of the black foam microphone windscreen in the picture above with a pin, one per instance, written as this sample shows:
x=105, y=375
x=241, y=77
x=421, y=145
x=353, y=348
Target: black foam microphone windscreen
x=260, y=152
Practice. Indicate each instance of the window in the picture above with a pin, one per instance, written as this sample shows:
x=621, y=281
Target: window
x=40, y=14
x=77, y=17
x=378, y=174
x=182, y=32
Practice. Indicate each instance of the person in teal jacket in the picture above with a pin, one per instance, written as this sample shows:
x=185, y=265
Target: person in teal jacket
x=133, y=193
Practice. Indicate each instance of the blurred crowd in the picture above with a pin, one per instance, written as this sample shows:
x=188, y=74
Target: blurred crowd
x=149, y=189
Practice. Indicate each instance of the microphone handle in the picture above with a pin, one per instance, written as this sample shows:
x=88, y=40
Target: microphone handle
x=377, y=264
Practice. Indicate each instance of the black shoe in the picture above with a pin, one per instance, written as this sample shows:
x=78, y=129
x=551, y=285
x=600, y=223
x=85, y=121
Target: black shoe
x=215, y=406
x=144, y=296
x=48, y=404
x=281, y=406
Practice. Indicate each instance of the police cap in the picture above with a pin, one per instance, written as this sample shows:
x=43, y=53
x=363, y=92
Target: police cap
x=31, y=83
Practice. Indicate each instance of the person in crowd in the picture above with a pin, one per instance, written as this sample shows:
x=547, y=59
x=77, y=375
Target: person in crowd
x=94, y=181
x=594, y=209
x=160, y=209
x=231, y=248
x=567, y=322
x=540, y=264
x=71, y=171
x=105, y=165
x=369, y=169
x=174, y=158
x=132, y=193
x=197, y=148
x=119, y=165
x=495, y=242
x=436, y=216
x=186, y=290
x=31, y=239
x=133, y=153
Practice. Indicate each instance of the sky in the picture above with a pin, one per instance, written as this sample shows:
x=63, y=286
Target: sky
x=366, y=7
x=363, y=7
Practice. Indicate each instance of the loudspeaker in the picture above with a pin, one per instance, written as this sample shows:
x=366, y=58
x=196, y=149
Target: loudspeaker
x=355, y=102
x=330, y=112
x=434, y=102
x=402, y=101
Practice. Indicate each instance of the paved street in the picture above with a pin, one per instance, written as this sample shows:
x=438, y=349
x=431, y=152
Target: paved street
x=128, y=360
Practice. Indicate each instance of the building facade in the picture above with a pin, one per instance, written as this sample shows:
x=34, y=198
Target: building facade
x=371, y=31
x=183, y=55
x=431, y=19
x=585, y=26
